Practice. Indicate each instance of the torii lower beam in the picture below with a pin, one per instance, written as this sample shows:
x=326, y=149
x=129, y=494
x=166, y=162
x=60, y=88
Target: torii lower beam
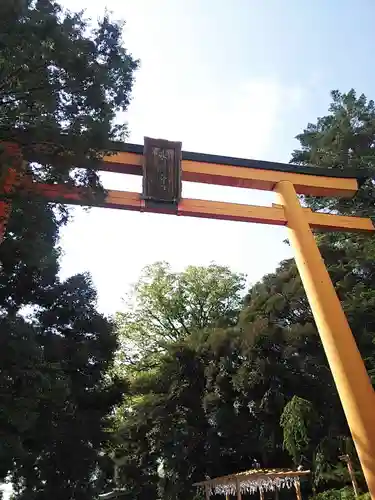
x=275, y=215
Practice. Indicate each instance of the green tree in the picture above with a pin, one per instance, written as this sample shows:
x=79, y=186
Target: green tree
x=295, y=421
x=61, y=75
x=344, y=138
x=63, y=80
x=315, y=432
x=165, y=311
x=60, y=398
x=165, y=306
x=214, y=400
x=211, y=401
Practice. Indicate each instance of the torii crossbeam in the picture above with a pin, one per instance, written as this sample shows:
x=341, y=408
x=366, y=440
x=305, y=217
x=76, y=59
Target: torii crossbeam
x=164, y=166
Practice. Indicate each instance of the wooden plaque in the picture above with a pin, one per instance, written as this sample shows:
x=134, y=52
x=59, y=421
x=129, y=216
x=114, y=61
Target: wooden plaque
x=161, y=170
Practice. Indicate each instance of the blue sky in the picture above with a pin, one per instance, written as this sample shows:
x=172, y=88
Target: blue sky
x=234, y=77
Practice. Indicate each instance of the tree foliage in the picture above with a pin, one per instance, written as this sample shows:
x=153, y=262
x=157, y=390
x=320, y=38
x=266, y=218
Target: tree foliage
x=295, y=422
x=345, y=138
x=63, y=80
x=165, y=306
x=61, y=75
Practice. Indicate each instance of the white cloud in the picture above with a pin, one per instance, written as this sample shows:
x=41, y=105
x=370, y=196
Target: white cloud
x=236, y=121
x=181, y=95
x=115, y=245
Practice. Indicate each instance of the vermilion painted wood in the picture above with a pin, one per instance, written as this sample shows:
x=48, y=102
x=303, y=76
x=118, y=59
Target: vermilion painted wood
x=202, y=208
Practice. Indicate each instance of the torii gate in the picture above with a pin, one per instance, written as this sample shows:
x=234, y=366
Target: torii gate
x=163, y=166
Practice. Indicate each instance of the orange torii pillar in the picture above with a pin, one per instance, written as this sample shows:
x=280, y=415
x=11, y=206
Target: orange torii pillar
x=347, y=367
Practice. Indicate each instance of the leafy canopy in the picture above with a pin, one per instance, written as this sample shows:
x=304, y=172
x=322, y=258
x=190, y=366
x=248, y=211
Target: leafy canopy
x=165, y=306
x=63, y=80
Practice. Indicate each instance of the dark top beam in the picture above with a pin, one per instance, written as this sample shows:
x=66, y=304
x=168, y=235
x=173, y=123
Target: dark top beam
x=29, y=138
x=346, y=173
